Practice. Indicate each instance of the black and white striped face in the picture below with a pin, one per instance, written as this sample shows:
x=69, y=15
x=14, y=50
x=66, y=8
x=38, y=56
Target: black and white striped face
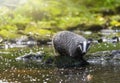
x=84, y=46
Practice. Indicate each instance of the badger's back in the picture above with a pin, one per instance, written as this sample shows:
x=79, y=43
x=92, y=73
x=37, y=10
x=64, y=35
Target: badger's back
x=66, y=42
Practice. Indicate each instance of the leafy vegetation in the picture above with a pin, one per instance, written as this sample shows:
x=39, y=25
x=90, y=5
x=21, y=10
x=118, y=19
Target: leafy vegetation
x=45, y=17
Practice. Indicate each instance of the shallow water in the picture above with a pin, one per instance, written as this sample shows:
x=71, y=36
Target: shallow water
x=90, y=74
x=94, y=73
x=17, y=72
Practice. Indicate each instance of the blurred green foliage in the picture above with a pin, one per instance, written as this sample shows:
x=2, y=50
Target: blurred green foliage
x=45, y=17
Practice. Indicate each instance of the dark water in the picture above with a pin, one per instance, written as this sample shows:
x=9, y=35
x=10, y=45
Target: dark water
x=90, y=74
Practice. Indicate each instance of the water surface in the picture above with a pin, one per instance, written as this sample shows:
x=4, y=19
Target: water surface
x=92, y=74
x=20, y=72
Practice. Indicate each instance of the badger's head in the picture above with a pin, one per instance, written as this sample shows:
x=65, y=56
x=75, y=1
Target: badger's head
x=84, y=46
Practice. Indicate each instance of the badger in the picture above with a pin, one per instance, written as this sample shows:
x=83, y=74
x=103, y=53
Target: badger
x=67, y=43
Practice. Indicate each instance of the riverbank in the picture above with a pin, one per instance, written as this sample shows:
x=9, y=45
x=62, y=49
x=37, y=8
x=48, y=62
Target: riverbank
x=43, y=56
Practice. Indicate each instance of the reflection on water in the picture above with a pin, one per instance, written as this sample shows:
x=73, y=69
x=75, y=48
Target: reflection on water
x=90, y=74
x=18, y=72
x=45, y=75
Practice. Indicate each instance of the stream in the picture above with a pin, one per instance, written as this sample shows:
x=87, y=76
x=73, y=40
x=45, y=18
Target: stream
x=90, y=74
x=12, y=71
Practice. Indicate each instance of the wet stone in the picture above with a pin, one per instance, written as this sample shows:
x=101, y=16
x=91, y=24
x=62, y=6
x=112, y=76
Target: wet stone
x=101, y=53
x=38, y=57
x=116, y=54
x=105, y=57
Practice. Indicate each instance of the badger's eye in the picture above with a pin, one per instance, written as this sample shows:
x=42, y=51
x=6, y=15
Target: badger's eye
x=80, y=46
x=88, y=46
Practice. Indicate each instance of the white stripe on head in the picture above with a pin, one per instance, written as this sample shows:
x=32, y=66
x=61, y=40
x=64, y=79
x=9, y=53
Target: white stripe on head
x=84, y=46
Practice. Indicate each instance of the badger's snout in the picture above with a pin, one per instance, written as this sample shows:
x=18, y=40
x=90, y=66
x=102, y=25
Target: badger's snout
x=84, y=52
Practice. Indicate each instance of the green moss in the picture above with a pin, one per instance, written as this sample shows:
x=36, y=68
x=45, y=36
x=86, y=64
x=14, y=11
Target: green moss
x=8, y=34
x=38, y=33
x=104, y=47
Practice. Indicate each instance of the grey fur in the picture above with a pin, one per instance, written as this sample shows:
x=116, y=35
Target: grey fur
x=66, y=43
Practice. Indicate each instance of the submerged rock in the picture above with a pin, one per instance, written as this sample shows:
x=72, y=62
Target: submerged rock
x=105, y=57
x=116, y=54
x=38, y=57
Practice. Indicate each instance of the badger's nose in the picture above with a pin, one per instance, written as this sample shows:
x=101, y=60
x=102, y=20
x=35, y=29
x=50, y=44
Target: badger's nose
x=83, y=53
